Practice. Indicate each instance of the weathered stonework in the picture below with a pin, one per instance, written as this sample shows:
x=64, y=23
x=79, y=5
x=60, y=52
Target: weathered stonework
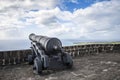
x=20, y=56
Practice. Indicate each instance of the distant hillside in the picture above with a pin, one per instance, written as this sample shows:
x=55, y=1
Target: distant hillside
x=84, y=43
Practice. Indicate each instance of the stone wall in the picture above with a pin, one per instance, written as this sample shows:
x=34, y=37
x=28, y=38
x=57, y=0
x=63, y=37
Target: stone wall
x=20, y=56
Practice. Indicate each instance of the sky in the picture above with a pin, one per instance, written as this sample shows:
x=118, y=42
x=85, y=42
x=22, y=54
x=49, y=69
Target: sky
x=76, y=20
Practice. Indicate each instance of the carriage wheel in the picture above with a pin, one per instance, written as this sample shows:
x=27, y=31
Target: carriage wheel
x=38, y=65
x=30, y=59
x=67, y=59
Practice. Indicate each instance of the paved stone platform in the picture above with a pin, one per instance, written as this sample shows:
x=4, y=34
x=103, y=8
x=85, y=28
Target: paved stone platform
x=105, y=66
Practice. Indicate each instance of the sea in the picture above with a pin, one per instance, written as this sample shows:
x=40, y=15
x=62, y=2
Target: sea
x=8, y=45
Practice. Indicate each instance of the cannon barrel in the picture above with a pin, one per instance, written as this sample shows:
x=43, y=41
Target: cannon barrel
x=47, y=43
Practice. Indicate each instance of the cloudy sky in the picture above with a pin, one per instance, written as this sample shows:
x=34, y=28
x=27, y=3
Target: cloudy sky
x=86, y=20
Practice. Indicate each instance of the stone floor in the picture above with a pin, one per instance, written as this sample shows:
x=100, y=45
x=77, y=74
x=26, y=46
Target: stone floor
x=97, y=67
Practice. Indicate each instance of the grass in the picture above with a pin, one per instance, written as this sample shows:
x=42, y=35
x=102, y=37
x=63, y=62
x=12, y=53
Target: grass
x=84, y=43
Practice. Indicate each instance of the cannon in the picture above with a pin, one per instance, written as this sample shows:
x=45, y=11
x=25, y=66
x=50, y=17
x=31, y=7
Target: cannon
x=47, y=53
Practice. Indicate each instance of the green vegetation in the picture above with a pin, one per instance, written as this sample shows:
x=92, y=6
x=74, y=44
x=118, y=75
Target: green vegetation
x=84, y=43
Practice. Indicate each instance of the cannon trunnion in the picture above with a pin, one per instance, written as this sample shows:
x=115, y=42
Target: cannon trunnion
x=47, y=53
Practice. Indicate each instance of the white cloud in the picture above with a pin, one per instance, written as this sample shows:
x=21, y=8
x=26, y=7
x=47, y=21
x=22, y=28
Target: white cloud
x=74, y=1
x=29, y=4
x=99, y=21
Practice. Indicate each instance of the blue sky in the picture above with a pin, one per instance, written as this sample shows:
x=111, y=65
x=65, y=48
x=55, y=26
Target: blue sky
x=72, y=5
x=69, y=20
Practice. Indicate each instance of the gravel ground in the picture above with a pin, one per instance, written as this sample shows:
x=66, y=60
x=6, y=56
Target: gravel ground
x=99, y=67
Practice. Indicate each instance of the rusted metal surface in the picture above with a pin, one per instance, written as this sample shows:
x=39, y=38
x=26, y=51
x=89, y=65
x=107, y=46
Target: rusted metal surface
x=20, y=56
